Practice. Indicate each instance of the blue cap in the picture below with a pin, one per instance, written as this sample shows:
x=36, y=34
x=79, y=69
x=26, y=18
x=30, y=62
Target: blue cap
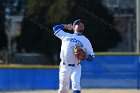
x=75, y=22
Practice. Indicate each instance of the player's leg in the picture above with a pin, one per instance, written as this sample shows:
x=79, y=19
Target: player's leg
x=64, y=79
x=75, y=77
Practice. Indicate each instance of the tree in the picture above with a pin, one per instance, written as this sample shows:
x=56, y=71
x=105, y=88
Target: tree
x=98, y=29
x=3, y=38
x=36, y=33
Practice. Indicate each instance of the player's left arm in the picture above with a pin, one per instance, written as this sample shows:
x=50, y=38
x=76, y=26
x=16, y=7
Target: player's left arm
x=89, y=51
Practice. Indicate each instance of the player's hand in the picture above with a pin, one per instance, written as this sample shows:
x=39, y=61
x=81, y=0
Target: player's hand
x=68, y=26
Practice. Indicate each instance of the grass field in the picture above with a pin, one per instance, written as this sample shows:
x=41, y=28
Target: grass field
x=84, y=91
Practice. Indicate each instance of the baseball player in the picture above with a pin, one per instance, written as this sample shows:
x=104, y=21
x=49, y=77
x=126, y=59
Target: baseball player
x=75, y=48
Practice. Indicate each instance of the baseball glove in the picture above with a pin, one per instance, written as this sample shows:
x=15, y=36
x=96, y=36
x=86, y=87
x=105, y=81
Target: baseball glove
x=79, y=52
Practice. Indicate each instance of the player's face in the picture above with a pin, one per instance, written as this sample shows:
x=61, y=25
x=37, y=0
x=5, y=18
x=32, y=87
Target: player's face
x=79, y=27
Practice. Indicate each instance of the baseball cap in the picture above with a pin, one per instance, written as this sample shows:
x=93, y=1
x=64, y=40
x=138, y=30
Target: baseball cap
x=77, y=21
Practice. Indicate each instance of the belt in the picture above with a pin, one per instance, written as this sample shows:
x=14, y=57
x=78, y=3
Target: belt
x=73, y=65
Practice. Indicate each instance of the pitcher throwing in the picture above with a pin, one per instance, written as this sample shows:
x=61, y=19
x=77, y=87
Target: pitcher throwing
x=75, y=48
